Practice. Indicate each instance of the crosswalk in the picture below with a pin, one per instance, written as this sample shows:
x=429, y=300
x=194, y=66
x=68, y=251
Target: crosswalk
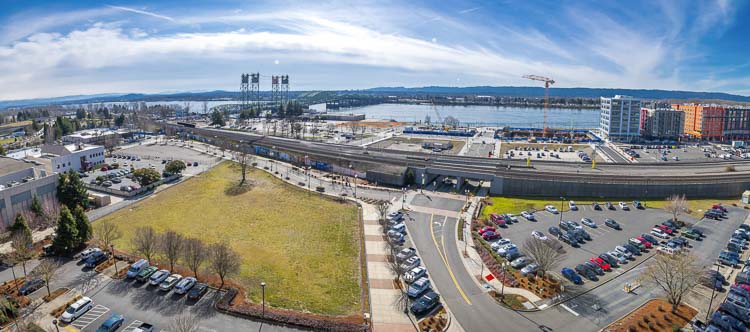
x=89, y=317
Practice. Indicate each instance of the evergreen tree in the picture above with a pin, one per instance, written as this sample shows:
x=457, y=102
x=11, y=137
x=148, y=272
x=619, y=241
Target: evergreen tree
x=71, y=191
x=2, y=151
x=217, y=118
x=67, y=234
x=36, y=206
x=20, y=226
x=83, y=226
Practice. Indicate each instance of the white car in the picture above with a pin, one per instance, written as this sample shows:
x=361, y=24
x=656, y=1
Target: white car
x=77, y=309
x=88, y=252
x=572, y=205
x=588, y=222
x=496, y=245
x=623, y=251
x=539, y=235
x=158, y=277
x=619, y=256
x=659, y=233
x=528, y=215
x=551, y=209
x=624, y=206
x=414, y=274
x=170, y=282
x=512, y=217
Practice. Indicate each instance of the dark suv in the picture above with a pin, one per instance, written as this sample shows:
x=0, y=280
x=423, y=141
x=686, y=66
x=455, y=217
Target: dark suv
x=425, y=303
x=586, y=272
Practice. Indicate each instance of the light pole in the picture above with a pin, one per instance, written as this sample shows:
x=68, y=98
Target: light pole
x=403, y=198
x=421, y=190
x=263, y=292
x=114, y=259
x=54, y=322
x=13, y=270
x=466, y=191
x=355, y=185
x=562, y=199
x=713, y=291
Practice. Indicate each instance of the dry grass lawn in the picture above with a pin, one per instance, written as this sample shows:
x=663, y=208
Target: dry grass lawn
x=305, y=247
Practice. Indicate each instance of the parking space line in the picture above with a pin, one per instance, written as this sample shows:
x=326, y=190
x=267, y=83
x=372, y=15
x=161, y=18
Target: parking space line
x=89, y=317
x=132, y=326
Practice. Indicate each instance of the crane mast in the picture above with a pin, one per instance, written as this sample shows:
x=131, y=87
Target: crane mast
x=547, y=82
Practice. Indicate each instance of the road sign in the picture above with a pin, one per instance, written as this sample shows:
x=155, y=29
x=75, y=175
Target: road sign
x=489, y=277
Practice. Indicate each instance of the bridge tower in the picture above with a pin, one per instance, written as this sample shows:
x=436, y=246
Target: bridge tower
x=255, y=92
x=284, y=90
x=276, y=92
x=244, y=93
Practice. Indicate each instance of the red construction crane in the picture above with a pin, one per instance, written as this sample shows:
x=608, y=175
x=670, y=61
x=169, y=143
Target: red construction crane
x=547, y=82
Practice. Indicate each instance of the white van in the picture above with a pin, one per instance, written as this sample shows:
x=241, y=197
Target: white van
x=136, y=268
x=77, y=309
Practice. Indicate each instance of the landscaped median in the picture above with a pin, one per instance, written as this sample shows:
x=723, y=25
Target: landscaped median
x=654, y=315
x=306, y=248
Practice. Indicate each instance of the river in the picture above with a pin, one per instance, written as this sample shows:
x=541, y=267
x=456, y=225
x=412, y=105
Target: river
x=482, y=115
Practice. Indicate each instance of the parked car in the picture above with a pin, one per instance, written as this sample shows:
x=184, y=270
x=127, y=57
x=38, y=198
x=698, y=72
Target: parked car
x=169, y=283
x=624, y=206
x=95, y=259
x=612, y=224
x=498, y=220
x=136, y=268
x=414, y=274
x=158, y=277
x=112, y=323
x=719, y=207
x=528, y=215
x=486, y=229
x=405, y=254
x=197, y=291
x=658, y=232
x=554, y=231
x=598, y=270
x=31, y=286
x=539, y=235
x=644, y=242
x=520, y=262
x=511, y=217
x=418, y=287
x=572, y=206
x=75, y=310
x=529, y=269
x=411, y=263
x=649, y=238
x=426, y=303
x=489, y=236
x=499, y=243
x=638, y=205
x=573, y=224
x=184, y=285
x=596, y=206
x=664, y=229
x=146, y=273
x=569, y=240
x=604, y=265
x=588, y=222
x=88, y=251
x=624, y=251
x=609, y=206
x=633, y=249
x=613, y=262
x=586, y=272
x=582, y=234
x=507, y=249
x=571, y=275
x=620, y=257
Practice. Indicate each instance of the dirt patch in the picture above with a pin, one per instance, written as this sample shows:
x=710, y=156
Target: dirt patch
x=55, y=293
x=654, y=315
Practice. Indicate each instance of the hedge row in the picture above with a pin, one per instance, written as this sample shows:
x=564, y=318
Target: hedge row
x=284, y=317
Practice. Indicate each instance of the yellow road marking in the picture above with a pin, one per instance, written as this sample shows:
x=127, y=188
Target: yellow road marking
x=443, y=257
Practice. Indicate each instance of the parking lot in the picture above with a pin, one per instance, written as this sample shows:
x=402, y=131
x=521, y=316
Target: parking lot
x=633, y=223
x=154, y=156
x=536, y=151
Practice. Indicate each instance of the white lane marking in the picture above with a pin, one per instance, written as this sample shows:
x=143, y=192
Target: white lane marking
x=133, y=325
x=86, y=319
x=570, y=310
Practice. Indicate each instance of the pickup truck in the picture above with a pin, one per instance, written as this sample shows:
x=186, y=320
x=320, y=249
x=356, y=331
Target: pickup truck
x=144, y=327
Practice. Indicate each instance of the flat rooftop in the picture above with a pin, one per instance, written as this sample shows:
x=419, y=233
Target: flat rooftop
x=10, y=165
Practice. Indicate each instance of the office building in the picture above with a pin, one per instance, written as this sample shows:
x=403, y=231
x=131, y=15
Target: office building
x=662, y=123
x=704, y=122
x=61, y=158
x=620, y=118
x=19, y=182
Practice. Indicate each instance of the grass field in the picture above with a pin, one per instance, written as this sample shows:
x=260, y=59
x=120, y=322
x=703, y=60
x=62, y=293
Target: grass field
x=518, y=204
x=16, y=124
x=305, y=247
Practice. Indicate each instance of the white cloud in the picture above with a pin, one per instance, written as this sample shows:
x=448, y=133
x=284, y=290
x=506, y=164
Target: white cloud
x=143, y=12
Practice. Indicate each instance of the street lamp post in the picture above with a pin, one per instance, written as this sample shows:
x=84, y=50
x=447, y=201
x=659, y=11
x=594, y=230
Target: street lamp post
x=13, y=270
x=562, y=199
x=263, y=292
x=114, y=259
x=713, y=291
x=54, y=322
x=403, y=198
x=355, y=185
x=466, y=191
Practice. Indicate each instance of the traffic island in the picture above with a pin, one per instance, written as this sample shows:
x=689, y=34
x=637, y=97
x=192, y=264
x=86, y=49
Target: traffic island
x=436, y=322
x=654, y=315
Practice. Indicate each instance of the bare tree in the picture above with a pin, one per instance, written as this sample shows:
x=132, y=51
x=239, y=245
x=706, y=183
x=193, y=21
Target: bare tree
x=674, y=274
x=194, y=254
x=401, y=301
x=224, y=261
x=676, y=205
x=543, y=254
x=382, y=211
x=47, y=270
x=451, y=121
x=244, y=159
x=170, y=246
x=22, y=249
x=145, y=242
x=107, y=232
x=51, y=208
x=184, y=323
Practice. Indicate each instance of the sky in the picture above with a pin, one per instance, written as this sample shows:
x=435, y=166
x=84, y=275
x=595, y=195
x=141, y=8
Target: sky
x=62, y=48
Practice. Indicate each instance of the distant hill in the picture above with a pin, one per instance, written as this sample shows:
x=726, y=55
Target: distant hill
x=517, y=91
x=523, y=91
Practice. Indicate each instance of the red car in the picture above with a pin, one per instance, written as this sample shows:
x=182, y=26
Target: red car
x=497, y=219
x=490, y=235
x=719, y=207
x=601, y=263
x=486, y=229
x=104, y=168
x=645, y=242
x=746, y=287
x=665, y=229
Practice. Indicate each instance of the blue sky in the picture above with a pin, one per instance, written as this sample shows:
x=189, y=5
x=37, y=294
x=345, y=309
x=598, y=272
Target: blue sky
x=57, y=48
